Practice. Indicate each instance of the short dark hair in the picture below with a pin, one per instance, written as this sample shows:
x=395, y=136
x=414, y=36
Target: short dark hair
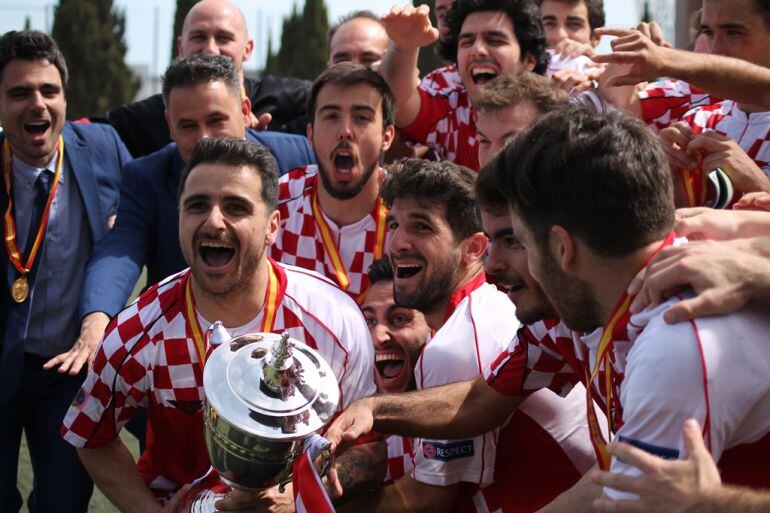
x=506, y=91
x=604, y=178
x=437, y=183
x=231, y=151
x=32, y=45
x=595, y=10
x=349, y=74
x=489, y=193
x=365, y=14
x=380, y=270
x=201, y=69
x=763, y=9
x=527, y=26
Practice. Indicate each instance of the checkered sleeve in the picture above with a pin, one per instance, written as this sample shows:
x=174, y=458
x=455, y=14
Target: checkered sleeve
x=538, y=357
x=115, y=387
x=666, y=102
x=424, y=128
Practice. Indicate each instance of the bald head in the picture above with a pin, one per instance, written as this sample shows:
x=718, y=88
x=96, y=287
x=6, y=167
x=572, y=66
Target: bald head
x=359, y=39
x=216, y=27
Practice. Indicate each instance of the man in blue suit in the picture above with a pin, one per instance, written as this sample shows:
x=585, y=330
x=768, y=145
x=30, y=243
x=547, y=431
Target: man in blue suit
x=203, y=98
x=59, y=196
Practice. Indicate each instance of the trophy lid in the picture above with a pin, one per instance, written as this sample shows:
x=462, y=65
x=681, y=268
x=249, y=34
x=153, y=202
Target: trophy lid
x=271, y=386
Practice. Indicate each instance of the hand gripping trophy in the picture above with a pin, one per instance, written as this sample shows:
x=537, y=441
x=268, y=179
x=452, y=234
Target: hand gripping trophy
x=266, y=394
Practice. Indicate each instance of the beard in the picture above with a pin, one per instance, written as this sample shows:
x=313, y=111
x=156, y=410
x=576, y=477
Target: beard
x=240, y=281
x=434, y=289
x=535, y=306
x=345, y=193
x=571, y=297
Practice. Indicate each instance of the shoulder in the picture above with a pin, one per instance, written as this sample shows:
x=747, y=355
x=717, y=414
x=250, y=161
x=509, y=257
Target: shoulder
x=293, y=184
x=152, y=163
x=442, y=81
x=321, y=298
x=270, y=84
x=91, y=133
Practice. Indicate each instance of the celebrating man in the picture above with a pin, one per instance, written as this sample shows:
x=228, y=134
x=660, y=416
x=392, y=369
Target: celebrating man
x=59, y=196
x=332, y=218
x=215, y=27
x=153, y=352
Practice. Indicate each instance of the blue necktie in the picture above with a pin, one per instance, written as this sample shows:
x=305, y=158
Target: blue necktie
x=12, y=357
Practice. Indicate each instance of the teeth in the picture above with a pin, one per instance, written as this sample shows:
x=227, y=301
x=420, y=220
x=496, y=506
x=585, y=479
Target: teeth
x=212, y=244
x=483, y=70
x=408, y=266
x=387, y=357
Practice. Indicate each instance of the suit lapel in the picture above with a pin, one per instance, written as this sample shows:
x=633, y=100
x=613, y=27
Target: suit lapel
x=79, y=160
x=174, y=173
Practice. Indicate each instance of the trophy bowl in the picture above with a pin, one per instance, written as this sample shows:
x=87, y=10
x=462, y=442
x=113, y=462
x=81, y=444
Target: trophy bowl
x=265, y=394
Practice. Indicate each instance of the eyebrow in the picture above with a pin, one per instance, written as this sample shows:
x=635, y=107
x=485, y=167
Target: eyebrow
x=503, y=232
x=576, y=18
x=485, y=33
x=367, y=309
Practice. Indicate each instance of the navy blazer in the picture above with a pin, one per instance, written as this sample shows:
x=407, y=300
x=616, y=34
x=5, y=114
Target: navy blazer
x=146, y=231
x=96, y=156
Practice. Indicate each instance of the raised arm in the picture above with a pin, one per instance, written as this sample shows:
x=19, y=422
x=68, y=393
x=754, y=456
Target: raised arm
x=409, y=28
x=720, y=76
x=458, y=410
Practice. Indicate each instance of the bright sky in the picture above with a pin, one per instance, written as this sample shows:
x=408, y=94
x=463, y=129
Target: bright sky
x=151, y=46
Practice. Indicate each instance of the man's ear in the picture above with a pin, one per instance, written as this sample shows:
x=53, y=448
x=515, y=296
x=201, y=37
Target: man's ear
x=562, y=246
x=309, y=134
x=529, y=62
x=246, y=110
x=247, y=50
x=387, y=137
x=273, y=223
x=474, y=248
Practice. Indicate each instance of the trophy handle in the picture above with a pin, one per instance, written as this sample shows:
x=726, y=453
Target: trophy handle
x=285, y=476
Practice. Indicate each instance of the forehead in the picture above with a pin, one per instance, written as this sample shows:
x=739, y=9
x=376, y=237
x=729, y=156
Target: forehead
x=720, y=12
x=20, y=72
x=485, y=21
x=508, y=120
x=348, y=96
x=564, y=8
x=409, y=207
x=220, y=180
x=201, y=99
x=379, y=295
x=493, y=222
x=361, y=30
x=211, y=17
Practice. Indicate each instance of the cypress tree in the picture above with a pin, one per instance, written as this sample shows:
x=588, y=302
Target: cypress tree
x=303, y=49
x=182, y=8
x=91, y=34
x=429, y=59
x=27, y=23
x=646, y=16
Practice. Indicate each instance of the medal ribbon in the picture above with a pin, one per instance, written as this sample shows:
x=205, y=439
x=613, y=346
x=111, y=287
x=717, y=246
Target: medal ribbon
x=615, y=329
x=14, y=254
x=270, y=309
x=331, y=248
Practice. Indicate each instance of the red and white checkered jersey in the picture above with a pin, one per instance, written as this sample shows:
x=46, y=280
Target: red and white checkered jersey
x=400, y=454
x=300, y=242
x=442, y=80
x=542, y=451
x=148, y=359
x=750, y=131
x=445, y=121
x=660, y=382
x=664, y=103
x=481, y=320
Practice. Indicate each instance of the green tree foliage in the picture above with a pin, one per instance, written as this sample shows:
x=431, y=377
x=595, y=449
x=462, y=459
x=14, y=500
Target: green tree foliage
x=304, y=48
x=429, y=59
x=646, y=16
x=182, y=8
x=91, y=34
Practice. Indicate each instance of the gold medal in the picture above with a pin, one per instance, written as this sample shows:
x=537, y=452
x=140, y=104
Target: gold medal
x=20, y=289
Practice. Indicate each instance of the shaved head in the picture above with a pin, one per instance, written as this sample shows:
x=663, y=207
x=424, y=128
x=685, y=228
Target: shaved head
x=216, y=27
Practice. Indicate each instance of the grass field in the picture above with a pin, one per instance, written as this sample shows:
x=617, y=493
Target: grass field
x=99, y=503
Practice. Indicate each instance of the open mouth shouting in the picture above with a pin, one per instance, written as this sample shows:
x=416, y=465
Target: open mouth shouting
x=391, y=371
x=344, y=162
x=481, y=74
x=406, y=271
x=37, y=129
x=216, y=255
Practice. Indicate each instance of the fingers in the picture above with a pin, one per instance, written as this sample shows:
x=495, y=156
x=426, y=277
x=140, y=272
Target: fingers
x=693, y=438
x=616, y=32
x=334, y=486
x=175, y=501
x=619, y=482
x=708, y=143
x=606, y=505
x=714, y=301
x=635, y=457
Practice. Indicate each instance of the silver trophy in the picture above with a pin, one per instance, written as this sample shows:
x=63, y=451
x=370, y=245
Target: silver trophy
x=265, y=394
